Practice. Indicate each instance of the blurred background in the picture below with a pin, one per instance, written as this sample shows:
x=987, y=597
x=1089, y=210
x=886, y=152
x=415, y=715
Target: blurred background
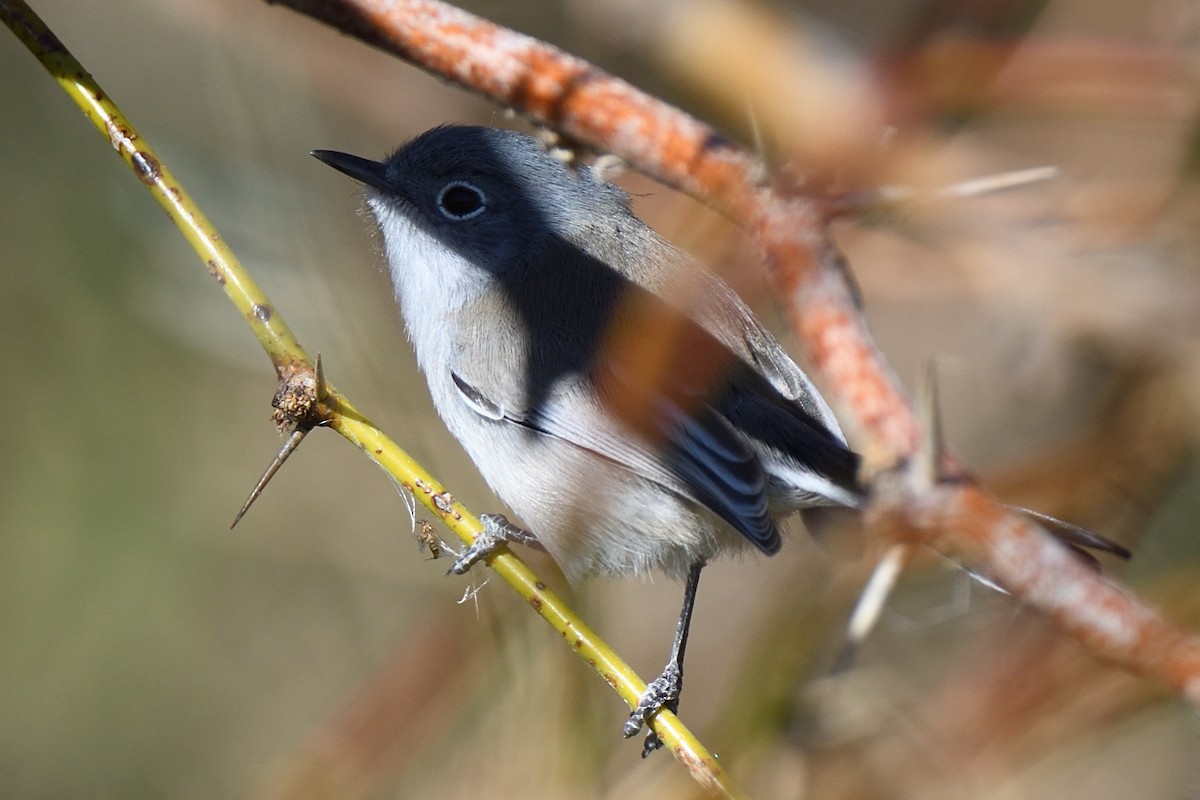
x=146, y=650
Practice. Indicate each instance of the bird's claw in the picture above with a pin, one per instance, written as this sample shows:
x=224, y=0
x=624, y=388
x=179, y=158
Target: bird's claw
x=662, y=692
x=497, y=532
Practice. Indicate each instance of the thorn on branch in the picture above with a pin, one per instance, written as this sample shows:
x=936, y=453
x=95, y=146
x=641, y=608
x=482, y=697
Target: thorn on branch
x=886, y=200
x=289, y=446
x=298, y=409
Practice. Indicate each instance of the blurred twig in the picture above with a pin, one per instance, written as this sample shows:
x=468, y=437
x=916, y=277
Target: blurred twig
x=357, y=754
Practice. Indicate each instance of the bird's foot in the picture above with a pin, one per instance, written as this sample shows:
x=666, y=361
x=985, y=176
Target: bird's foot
x=662, y=692
x=497, y=532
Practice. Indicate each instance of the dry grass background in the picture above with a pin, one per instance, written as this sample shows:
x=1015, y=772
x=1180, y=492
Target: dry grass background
x=315, y=652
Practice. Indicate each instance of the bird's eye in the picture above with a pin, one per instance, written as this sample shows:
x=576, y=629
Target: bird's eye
x=459, y=201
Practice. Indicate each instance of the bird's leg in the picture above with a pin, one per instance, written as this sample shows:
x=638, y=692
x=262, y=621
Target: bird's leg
x=663, y=691
x=497, y=531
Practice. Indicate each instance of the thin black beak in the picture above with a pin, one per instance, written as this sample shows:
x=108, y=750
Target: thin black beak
x=361, y=169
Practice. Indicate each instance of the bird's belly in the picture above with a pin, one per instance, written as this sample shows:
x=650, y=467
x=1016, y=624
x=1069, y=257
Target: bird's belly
x=594, y=516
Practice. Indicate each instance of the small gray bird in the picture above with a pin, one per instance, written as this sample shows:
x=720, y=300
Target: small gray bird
x=510, y=267
x=511, y=270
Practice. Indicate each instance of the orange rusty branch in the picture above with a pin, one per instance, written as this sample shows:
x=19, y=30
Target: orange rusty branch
x=552, y=87
x=807, y=270
x=963, y=520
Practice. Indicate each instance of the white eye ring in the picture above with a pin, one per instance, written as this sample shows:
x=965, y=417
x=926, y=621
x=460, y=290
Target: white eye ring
x=455, y=203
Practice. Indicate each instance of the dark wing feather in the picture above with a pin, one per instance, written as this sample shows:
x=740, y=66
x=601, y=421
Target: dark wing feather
x=786, y=432
x=722, y=471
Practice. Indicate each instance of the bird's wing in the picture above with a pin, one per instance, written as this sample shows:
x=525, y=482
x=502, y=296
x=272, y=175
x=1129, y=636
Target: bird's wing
x=701, y=457
x=763, y=394
x=813, y=462
x=661, y=269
